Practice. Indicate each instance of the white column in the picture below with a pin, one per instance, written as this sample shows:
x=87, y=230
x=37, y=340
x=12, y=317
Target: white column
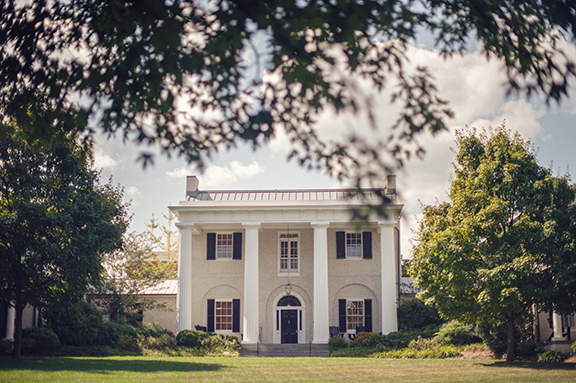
x=321, y=312
x=389, y=287
x=251, y=323
x=184, y=300
x=557, y=325
x=10, y=322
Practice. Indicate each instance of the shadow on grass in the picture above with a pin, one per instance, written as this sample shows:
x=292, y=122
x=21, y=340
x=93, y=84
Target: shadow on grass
x=105, y=366
x=534, y=365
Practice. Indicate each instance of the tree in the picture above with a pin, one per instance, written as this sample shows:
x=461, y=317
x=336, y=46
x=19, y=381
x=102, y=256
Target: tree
x=56, y=221
x=194, y=76
x=504, y=241
x=145, y=260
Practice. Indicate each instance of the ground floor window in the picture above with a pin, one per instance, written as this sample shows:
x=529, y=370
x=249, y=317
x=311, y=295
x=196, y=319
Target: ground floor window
x=354, y=315
x=223, y=316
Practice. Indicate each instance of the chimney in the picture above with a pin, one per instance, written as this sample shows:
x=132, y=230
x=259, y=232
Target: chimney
x=192, y=186
x=391, y=184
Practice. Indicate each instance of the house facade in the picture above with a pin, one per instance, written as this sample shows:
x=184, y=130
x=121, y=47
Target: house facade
x=286, y=266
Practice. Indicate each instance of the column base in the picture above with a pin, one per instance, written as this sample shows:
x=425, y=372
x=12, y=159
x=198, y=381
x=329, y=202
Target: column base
x=320, y=341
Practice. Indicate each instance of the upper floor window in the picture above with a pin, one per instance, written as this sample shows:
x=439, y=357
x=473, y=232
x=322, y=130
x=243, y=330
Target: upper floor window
x=354, y=245
x=224, y=246
x=289, y=252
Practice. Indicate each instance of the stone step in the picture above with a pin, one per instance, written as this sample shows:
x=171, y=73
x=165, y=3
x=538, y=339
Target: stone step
x=285, y=350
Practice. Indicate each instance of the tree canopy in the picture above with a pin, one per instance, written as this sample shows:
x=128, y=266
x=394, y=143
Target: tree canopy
x=56, y=221
x=196, y=76
x=504, y=241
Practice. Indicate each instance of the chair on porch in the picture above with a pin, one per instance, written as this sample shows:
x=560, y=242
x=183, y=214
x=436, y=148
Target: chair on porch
x=359, y=329
x=334, y=331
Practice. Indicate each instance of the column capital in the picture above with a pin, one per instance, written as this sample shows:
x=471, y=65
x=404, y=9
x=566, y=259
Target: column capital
x=387, y=223
x=184, y=225
x=252, y=225
x=320, y=224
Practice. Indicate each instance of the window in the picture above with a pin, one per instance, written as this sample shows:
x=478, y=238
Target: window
x=289, y=249
x=224, y=246
x=353, y=245
x=354, y=315
x=223, y=316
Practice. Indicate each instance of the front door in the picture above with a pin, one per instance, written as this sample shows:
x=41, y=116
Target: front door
x=289, y=326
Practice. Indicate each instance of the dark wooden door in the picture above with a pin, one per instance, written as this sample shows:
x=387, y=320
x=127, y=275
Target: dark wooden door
x=289, y=326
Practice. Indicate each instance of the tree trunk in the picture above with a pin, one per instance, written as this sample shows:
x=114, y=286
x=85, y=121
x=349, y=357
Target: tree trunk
x=510, y=348
x=17, y=353
x=536, y=324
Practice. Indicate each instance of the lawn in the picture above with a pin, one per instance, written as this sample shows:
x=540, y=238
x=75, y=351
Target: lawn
x=208, y=369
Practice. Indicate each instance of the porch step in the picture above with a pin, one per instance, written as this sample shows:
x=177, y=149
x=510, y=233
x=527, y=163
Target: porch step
x=285, y=350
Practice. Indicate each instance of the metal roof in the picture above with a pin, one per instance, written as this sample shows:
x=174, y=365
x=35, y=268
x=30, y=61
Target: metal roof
x=284, y=195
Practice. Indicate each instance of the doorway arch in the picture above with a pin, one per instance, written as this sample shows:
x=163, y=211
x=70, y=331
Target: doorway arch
x=289, y=319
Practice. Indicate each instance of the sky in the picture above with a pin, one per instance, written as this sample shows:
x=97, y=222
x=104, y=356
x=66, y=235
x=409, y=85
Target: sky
x=474, y=88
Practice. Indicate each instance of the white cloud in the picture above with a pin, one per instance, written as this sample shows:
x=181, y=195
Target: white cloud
x=219, y=176
x=132, y=191
x=103, y=160
x=178, y=173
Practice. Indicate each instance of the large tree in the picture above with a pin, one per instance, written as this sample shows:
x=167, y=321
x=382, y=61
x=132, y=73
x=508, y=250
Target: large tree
x=505, y=239
x=145, y=260
x=56, y=221
x=195, y=76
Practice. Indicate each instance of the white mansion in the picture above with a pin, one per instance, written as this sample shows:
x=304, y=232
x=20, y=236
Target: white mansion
x=286, y=266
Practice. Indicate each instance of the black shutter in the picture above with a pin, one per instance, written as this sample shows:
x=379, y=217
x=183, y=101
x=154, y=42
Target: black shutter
x=210, y=315
x=367, y=245
x=340, y=245
x=211, y=246
x=235, y=315
x=368, y=314
x=237, y=246
x=342, y=314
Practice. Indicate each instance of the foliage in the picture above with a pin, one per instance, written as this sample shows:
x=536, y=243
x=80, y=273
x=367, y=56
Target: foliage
x=414, y=313
x=420, y=344
x=196, y=76
x=441, y=352
x=144, y=261
x=494, y=334
x=41, y=341
x=505, y=239
x=336, y=343
x=554, y=356
x=401, y=339
x=119, y=335
x=456, y=333
x=208, y=344
x=5, y=346
x=527, y=348
x=364, y=339
x=79, y=324
x=574, y=347
x=56, y=220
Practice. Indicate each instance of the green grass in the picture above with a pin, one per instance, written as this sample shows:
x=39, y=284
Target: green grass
x=222, y=369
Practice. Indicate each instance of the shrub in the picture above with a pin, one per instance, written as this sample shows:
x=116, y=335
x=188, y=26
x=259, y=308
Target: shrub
x=550, y=356
x=408, y=353
x=79, y=324
x=574, y=347
x=423, y=344
x=456, y=333
x=364, y=339
x=38, y=340
x=120, y=335
x=5, y=346
x=152, y=329
x=527, y=348
x=336, y=343
x=189, y=338
x=150, y=342
x=414, y=314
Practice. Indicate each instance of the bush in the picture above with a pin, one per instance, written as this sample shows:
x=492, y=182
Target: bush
x=574, y=347
x=407, y=353
x=336, y=343
x=209, y=344
x=415, y=314
x=527, y=348
x=364, y=339
x=189, y=338
x=401, y=339
x=550, y=356
x=423, y=344
x=5, y=346
x=42, y=341
x=153, y=329
x=79, y=324
x=122, y=336
x=456, y=333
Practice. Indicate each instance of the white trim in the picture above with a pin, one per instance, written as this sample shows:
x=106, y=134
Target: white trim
x=289, y=272
x=276, y=330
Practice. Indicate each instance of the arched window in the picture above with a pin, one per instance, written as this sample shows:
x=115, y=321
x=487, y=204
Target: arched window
x=289, y=301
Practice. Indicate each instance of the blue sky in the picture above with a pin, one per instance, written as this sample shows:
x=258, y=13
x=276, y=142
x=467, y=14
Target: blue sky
x=474, y=88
